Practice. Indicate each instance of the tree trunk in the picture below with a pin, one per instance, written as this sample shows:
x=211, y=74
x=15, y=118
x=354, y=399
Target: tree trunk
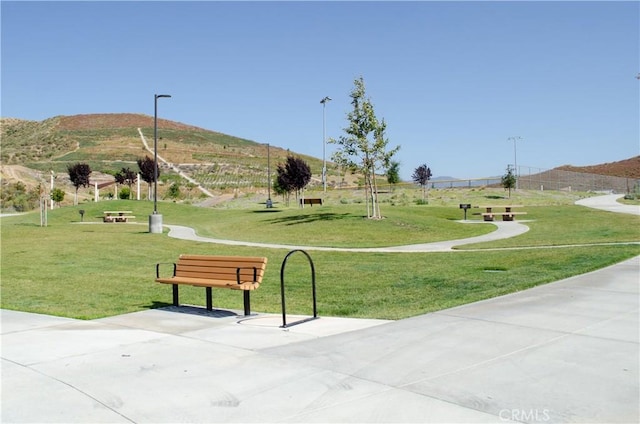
x=376, y=203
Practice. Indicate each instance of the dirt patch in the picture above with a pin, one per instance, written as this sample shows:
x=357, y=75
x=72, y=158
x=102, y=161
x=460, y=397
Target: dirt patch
x=628, y=168
x=118, y=120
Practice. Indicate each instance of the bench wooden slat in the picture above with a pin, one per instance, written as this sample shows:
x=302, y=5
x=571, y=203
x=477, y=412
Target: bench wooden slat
x=214, y=275
x=229, y=274
x=206, y=282
x=222, y=263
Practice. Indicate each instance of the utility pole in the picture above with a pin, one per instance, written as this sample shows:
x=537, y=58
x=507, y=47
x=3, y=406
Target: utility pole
x=324, y=144
x=515, y=157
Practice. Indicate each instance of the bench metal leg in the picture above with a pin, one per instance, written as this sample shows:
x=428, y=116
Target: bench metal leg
x=209, y=300
x=175, y=295
x=247, y=303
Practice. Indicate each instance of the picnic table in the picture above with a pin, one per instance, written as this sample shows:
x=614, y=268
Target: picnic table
x=507, y=215
x=117, y=216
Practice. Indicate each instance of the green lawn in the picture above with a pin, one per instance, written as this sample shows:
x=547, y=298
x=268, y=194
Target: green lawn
x=89, y=270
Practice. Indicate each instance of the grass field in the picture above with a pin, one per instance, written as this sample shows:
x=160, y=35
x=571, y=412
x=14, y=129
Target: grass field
x=90, y=269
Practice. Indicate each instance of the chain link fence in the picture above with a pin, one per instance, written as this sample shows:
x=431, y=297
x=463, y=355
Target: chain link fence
x=530, y=178
x=556, y=179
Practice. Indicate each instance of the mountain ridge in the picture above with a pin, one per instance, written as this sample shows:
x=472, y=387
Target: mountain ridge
x=111, y=141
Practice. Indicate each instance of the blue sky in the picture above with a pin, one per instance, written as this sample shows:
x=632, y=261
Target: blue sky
x=454, y=80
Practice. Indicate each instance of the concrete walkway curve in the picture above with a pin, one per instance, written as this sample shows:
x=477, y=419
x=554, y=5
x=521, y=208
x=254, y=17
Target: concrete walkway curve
x=609, y=203
x=503, y=230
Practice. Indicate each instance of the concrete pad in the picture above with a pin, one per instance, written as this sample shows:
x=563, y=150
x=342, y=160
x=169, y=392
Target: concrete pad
x=410, y=350
x=31, y=397
x=394, y=406
x=14, y=321
x=553, y=380
x=231, y=328
x=75, y=338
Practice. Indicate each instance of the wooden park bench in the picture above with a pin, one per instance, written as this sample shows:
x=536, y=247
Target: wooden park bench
x=117, y=216
x=228, y=272
x=311, y=201
x=507, y=215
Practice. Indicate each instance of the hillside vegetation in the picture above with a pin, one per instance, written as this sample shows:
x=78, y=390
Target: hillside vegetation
x=227, y=166
x=106, y=141
x=218, y=162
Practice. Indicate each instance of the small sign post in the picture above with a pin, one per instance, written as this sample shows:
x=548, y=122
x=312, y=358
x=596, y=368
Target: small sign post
x=465, y=206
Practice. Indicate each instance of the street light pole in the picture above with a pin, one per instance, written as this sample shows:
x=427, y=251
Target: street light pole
x=324, y=144
x=155, y=220
x=515, y=157
x=269, y=202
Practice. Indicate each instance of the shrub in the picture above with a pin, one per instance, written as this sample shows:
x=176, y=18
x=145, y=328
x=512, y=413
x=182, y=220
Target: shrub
x=174, y=191
x=57, y=195
x=124, y=193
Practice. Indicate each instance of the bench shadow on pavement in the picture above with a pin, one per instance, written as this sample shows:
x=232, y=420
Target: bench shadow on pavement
x=193, y=310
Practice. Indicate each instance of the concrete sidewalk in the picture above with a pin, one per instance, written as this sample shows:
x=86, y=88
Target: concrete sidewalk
x=563, y=352
x=609, y=203
x=503, y=230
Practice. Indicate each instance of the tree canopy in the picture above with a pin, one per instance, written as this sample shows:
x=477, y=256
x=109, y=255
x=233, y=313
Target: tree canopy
x=147, y=166
x=508, y=180
x=421, y=175
x=293, y=175
x=79, y=175
x=126, y=176
x=364, y=147
x=393, y=172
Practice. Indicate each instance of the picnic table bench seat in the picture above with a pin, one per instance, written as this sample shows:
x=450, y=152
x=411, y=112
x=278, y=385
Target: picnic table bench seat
x=117, y=216
x=507, y=215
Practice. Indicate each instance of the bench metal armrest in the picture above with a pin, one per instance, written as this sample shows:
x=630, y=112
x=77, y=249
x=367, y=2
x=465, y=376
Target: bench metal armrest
x=255, y=273
x=165, y=263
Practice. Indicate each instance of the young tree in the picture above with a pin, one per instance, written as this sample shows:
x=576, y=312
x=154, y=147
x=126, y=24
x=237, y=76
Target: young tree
x=280, y=190
x=364, y=147
x=79, y=176
x=190, y=186
x=57, y=195
x=509, y=180
x=174, y=191
x=126, y=176
x=422, y=175
x=293, y=175
x=147, y=173
x=393, y=173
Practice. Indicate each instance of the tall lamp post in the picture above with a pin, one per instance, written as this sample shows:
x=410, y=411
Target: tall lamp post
x=269, y=202
x=324, y=144
x=515, y=157
x=155, y=220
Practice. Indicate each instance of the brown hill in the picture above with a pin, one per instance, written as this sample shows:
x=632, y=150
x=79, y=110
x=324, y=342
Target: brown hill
x=118, y=120
x=628, y=168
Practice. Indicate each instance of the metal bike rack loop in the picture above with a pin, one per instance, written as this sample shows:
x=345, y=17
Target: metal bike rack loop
x=313, y=290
